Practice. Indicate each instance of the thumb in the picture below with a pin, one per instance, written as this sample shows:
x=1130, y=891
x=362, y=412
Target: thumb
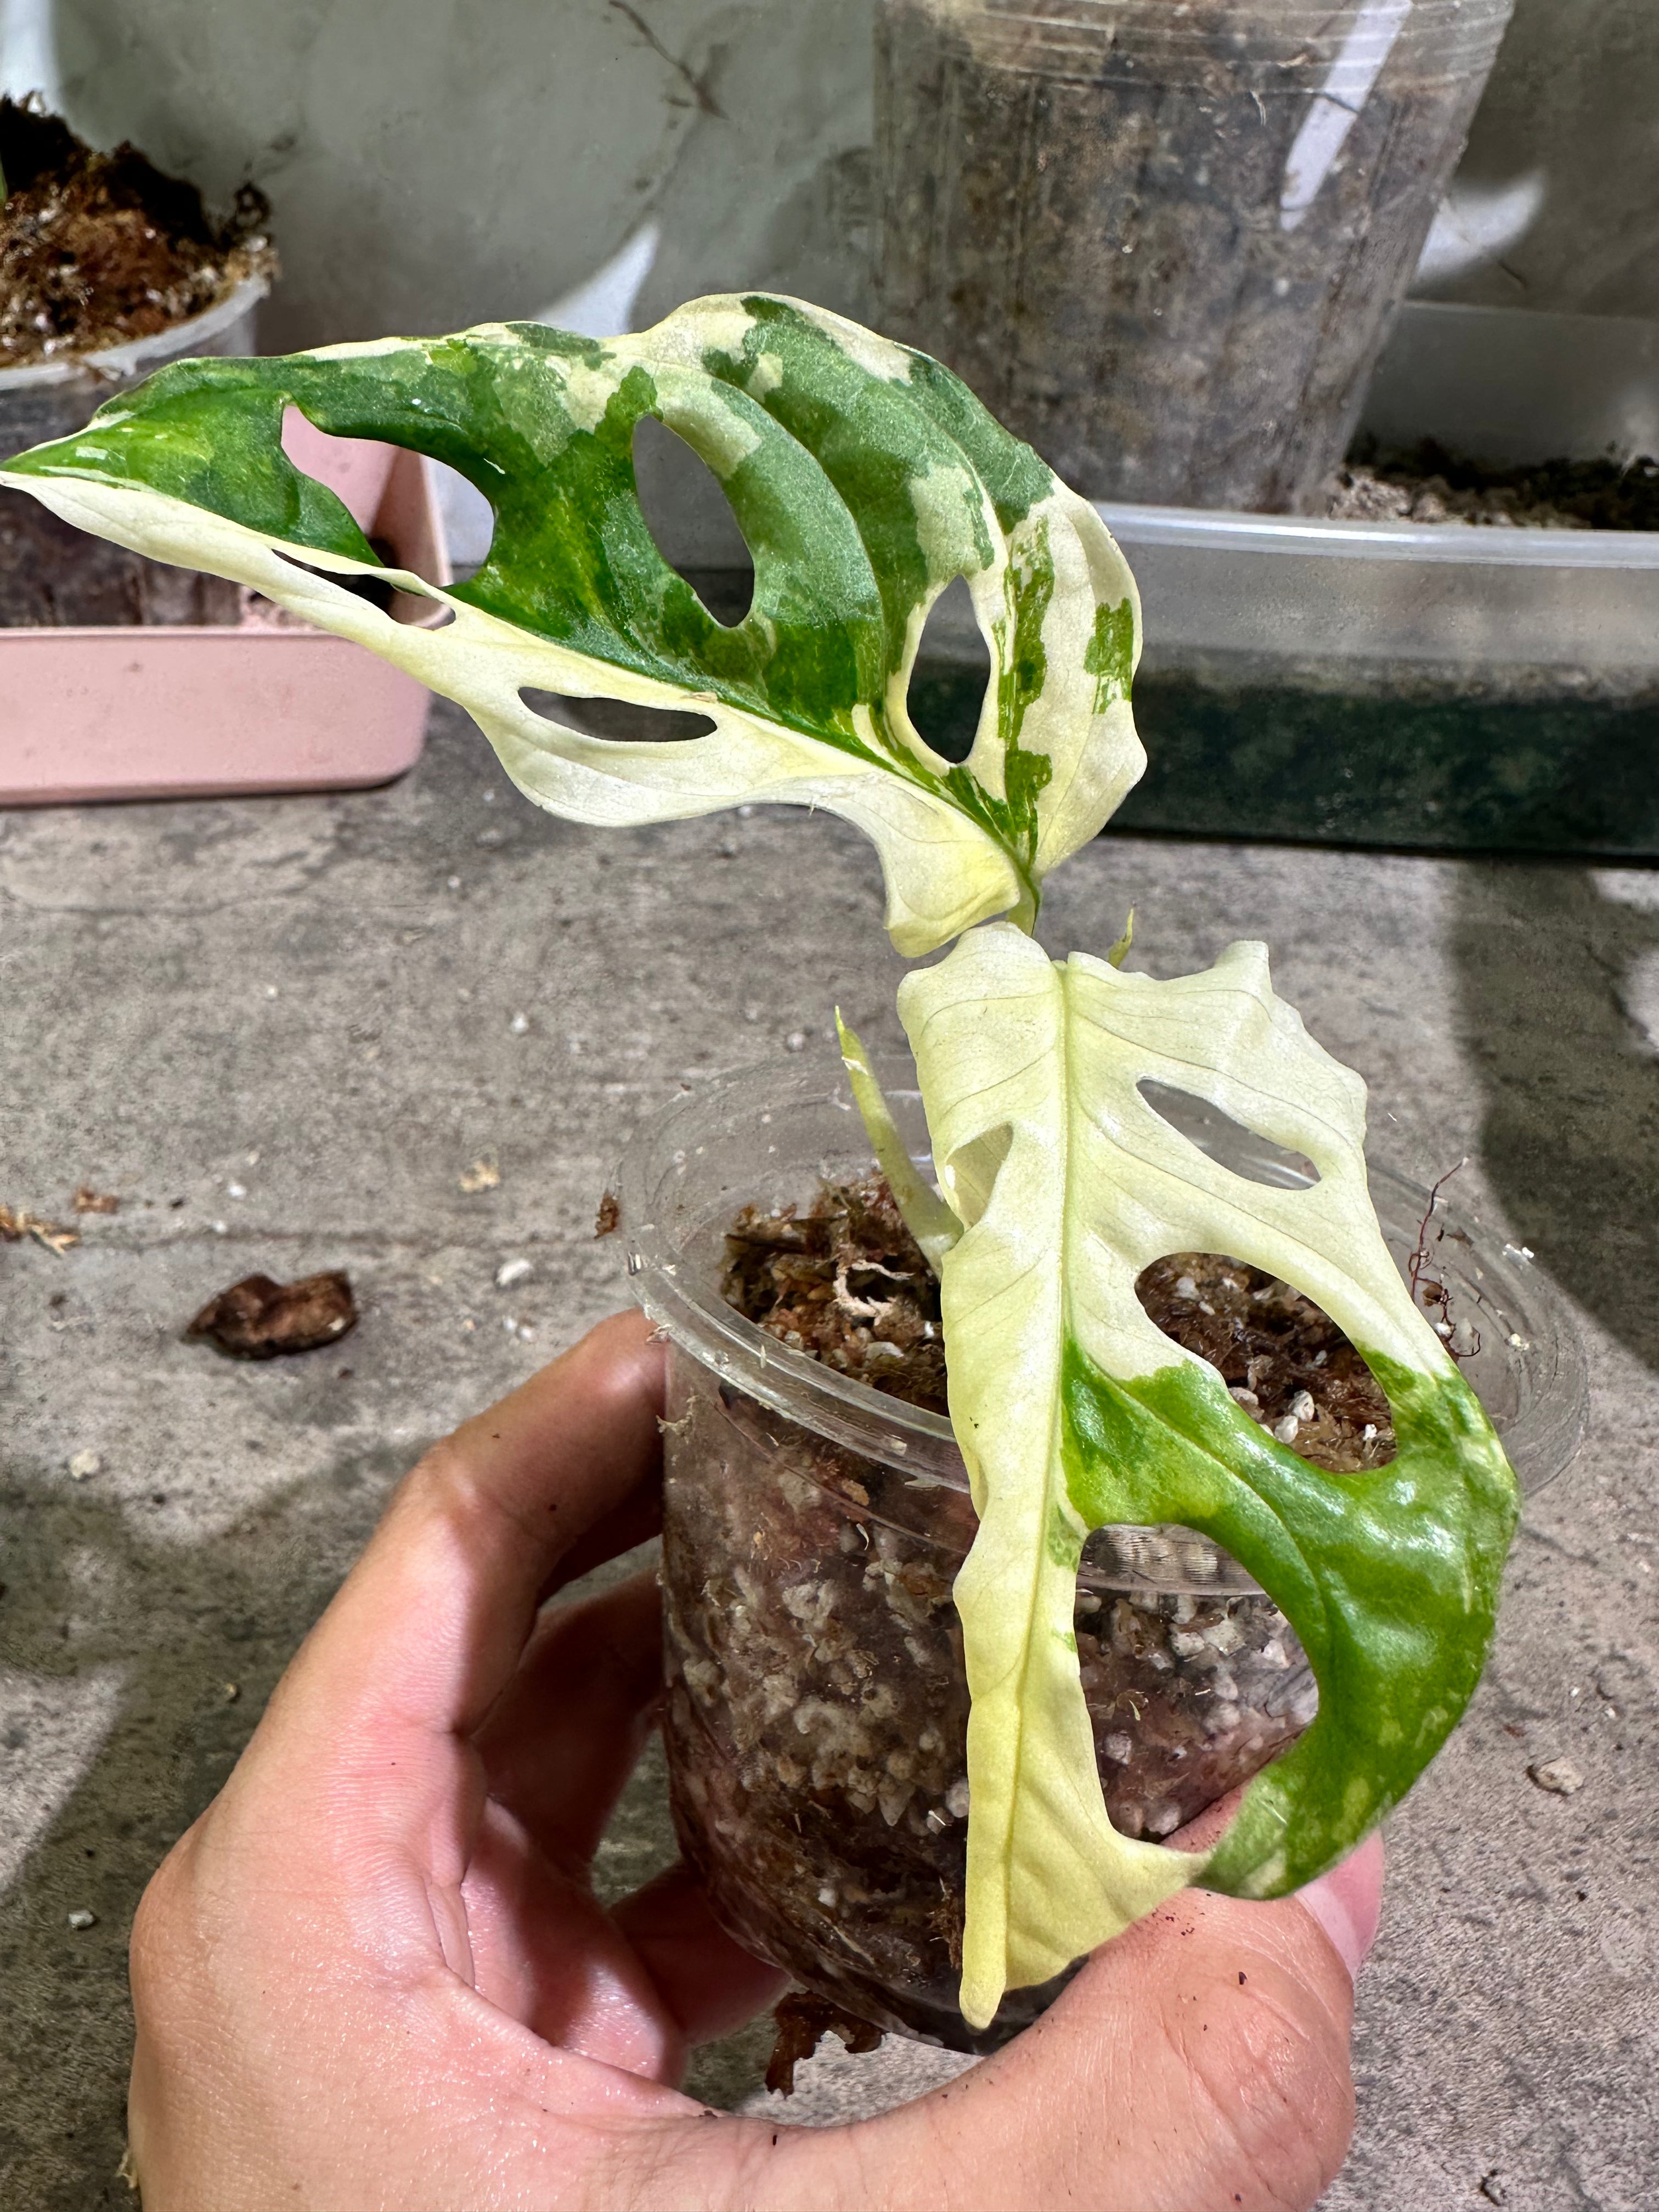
x=1347, y=1902
x=1199, y=2061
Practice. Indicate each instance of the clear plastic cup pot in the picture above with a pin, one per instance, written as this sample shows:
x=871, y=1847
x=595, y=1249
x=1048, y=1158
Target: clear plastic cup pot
x=1165, y=242
x=816, y=1707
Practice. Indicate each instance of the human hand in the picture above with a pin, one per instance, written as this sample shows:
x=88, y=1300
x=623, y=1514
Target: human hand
x=373, y=1974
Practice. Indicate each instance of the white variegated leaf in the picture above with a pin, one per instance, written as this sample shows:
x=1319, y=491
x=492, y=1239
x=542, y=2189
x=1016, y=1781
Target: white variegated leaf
x=1074, y=1411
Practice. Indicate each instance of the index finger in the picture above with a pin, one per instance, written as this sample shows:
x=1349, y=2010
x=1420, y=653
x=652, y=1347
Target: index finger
x=429, y=1625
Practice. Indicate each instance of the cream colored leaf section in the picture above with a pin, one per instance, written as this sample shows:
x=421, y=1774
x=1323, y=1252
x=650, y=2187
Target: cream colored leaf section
x=1049, y=1876
x=1145, y=1190
x=1083, y=721
x=942, y=873
x=1069, y=1183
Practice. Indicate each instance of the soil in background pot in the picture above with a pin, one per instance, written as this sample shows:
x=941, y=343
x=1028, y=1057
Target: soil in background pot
x=100, y=250
x=817, y=1716
x=1431, y=485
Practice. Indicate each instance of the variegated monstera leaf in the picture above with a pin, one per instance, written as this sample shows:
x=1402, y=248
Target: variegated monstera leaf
x=864, y=477
x=1074, y=1411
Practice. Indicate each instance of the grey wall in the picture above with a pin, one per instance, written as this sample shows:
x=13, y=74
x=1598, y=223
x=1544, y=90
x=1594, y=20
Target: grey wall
x=1569, y=122
x=433, y=164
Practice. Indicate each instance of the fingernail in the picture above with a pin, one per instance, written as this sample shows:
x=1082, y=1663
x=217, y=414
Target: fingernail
x=1347, y=1903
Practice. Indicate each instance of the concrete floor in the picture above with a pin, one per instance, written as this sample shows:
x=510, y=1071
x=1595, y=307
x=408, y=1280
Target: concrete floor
x=314, y=1001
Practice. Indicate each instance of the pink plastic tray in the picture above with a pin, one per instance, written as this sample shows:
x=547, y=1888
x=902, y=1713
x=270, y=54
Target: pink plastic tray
x=170, y=712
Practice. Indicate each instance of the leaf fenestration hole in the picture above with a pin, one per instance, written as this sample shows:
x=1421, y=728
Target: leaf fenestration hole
x=618, y=719
x=1284, y=1361
x=469, y=520
x=376, y=484
x=974, y=1171
x=689, y=517
x=952, y=669
x=384, y=491
x=1194, y=1680
x=378, y=591
x=1244, y=1150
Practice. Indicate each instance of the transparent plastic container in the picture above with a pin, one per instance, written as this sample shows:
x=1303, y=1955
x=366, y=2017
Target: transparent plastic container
x=1162, y=242
x=1438, y=685
x=816, y=1708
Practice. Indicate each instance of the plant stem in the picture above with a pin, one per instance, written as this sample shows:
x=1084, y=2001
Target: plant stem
x=1024, y=915
x=927, y=1216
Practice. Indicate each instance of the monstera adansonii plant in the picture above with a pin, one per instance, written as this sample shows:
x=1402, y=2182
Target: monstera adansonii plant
x=866, y=479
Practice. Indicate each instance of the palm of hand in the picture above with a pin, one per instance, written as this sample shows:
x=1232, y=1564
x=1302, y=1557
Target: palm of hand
x=374, y=1972
x=530, y=1799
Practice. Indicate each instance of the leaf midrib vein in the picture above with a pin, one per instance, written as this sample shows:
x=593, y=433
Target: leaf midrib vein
x=1050, y=1448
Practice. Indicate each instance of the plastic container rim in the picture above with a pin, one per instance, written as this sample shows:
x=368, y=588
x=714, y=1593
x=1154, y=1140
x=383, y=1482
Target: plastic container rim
x=1468, y=544
x=117, y=364
x=906, y=1437
x=1291, y=51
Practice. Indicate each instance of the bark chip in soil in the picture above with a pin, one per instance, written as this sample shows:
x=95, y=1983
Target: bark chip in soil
x=803, y=2022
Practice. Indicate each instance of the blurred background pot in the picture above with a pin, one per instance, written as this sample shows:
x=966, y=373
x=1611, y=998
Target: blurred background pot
x=1165, y=242
x=817, y=1711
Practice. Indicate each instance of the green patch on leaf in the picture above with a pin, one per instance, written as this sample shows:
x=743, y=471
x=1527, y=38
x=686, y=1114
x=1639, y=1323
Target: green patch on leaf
x=1110, y=658
x=1390, y=1578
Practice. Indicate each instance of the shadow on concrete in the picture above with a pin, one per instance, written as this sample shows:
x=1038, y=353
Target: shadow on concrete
x=87, y=1590
x=1570, y=1080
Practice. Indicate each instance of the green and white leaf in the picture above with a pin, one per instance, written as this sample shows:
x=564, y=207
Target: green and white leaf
x=864, y=477
x=1074, y=1411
